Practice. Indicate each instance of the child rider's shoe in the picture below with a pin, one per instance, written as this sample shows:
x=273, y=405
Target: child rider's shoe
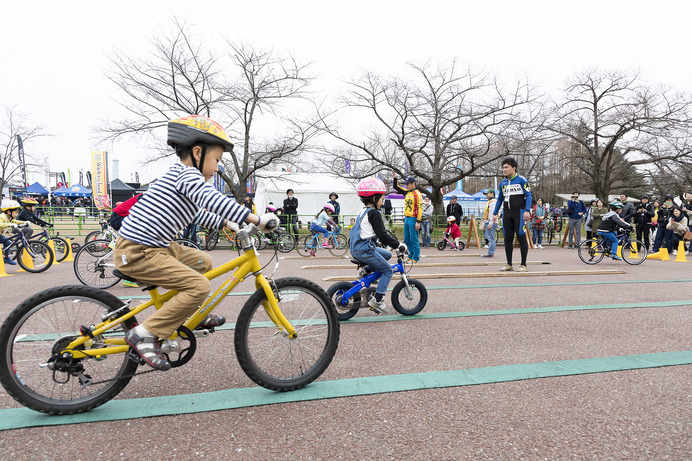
x=379, y=307
x=326, y=245
x=212, y=320
x=616, y=258
x=9, y=261
x=148, y=348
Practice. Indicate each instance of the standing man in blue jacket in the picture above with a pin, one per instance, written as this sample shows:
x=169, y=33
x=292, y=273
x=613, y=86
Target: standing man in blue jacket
x=576, y=210
x=515, y=197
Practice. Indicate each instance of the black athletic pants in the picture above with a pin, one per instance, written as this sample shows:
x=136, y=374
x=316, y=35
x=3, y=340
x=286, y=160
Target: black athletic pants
x=513, y=223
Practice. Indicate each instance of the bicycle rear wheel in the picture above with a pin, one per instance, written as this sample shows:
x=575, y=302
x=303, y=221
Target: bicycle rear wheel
x=591, y=251
x=38, y=257
x=339, y=244
x=630, y=253
x=187, y=243
x=93, y=264
x=34, y=334
x=97, y=235
x=212, y=240
x=268, y=356
x=309, y=246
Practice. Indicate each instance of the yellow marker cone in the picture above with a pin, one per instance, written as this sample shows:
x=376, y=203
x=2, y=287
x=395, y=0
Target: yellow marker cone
x=619, y=251
x=656, y=255
x=681, y=253
x=51, y=245
x=27, y=260
x=664, y=254
x=3, y=273
x=70, y=256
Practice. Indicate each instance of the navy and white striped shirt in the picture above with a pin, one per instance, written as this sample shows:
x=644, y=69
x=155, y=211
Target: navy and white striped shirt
x=178, y=198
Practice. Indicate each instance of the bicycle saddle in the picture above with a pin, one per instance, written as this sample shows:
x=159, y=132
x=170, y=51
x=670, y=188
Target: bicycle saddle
x=358, y=262
x=119, y=274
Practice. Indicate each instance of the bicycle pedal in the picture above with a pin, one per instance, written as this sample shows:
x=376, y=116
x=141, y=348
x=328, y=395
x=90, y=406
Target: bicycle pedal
x=202, y=332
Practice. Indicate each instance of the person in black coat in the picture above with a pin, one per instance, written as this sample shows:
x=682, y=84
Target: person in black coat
x=642, y=220
x=454, y=209
x=628, y=210
x=291, y=210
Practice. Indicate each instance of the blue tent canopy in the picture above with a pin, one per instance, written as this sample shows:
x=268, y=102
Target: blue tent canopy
x=36, y=189
x=461, y=195
x=73, y=191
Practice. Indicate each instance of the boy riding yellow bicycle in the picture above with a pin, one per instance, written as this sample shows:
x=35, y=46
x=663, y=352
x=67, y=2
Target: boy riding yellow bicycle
x=145, y=249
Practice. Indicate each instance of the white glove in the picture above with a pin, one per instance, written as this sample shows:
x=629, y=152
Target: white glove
x=26, y=224
x=402, y=248
x=268, y=222
x=232, y=226
x=13, y=225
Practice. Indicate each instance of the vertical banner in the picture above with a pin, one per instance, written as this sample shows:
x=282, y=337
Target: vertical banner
x=69, y=178
x=99, y=173
x=22, y=163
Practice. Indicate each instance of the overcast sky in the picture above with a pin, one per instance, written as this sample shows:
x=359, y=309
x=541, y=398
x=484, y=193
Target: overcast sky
x=54, y=54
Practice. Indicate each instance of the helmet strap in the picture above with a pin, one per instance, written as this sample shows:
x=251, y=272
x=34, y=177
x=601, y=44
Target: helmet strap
x=201, y=157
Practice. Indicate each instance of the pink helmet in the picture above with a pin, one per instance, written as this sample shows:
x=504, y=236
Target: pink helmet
x=271, y=208
x=329, y=207
x=370, y=186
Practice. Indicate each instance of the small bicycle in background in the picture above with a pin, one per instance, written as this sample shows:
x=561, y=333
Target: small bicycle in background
x=337, y=244
x=409, y=296
x=593, y=251
x=31, y=255
x=59, y=243
x=446, y=241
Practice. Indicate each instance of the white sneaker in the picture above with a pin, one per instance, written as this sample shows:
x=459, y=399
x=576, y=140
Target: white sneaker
x=539, y=246
x=378, y=307
x=485, y=246
x=675, y=252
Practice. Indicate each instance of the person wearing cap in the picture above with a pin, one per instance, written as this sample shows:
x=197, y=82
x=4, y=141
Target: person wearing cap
x=628, y=210
x=454, y=209
x=333, y=197
x=413, y=215
x=576, y=210
x=291, y=210
x=515, y=198
x=489, y=227
x=642, y=221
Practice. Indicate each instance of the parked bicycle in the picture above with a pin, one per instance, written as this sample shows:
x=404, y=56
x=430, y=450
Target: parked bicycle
x=281, y=240
x=59, y=243
x=592, y=251
x=63, y=350
x=337, y=244
x=409, y=295
x=31, y=255
x=105, y=233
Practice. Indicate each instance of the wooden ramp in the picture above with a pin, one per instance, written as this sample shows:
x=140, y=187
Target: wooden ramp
x=466, y=264
x=494, y=274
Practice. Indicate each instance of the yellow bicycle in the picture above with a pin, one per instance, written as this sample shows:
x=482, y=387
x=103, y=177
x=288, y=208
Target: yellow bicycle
x=62, y=351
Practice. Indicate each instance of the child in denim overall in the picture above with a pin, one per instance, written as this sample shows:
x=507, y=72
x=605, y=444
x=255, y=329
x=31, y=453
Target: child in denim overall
x=369, y=227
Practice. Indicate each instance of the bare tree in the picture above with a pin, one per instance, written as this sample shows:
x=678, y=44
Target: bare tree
x=237, y=84
x=441, y=127
x=259, y=96
x=11, y=125
x=620, y=122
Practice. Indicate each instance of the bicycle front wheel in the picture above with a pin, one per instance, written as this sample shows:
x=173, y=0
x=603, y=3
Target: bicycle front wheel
x=212, y=240
x=93, y=264
x=33, y=371
x=339, y=244
x=590, y=251
x=411, y=300
x=38, y=257
x=268, y=356
x=97, y=235
x=285, y=242
x=630, y=253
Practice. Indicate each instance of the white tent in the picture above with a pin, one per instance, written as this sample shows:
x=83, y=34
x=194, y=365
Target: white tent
x=311, y=190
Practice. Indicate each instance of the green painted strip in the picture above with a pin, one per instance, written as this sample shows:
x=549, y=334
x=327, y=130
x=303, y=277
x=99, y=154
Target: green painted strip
x=15, y=418
x=494, y=285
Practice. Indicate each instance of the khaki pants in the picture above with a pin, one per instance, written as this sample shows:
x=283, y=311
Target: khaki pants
x=175, y=268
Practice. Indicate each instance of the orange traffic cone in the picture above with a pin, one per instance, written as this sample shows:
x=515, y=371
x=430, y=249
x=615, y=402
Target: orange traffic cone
x=51, y=245
x=680, y=258
x=27, y=260
x=70, y=256
x=3, y=272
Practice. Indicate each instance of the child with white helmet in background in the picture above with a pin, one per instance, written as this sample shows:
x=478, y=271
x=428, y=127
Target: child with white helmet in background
x=8, y=220
x=453, y=230
x=368, y=228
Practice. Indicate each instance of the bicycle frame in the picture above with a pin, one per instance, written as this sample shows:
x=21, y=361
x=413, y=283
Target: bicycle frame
x=369, y=279
x=245, y=264
x=16, y=240
x=314, y=240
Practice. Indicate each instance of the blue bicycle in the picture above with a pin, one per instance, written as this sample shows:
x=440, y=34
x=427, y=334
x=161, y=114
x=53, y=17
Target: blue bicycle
x=337, y=244
x=409, y=296
x=31, y=255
